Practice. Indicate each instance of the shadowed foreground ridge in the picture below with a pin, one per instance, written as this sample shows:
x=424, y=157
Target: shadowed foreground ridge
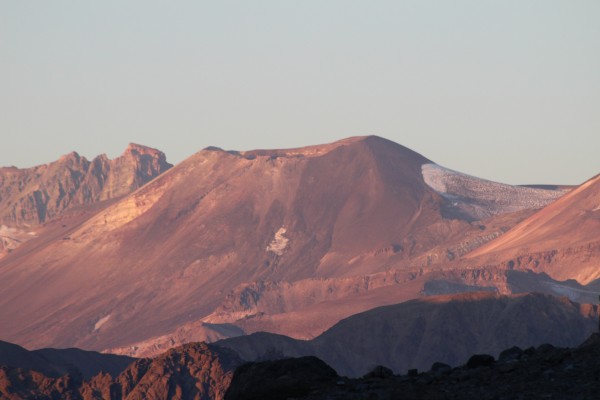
x=534, y=373
x=201, y=371
x=194, y=371
x=58, y=362
x=417, y=333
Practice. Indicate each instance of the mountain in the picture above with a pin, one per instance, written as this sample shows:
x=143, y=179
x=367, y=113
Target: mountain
x=417, y=333
x=33, y=196
x=487, y=322
x=55, y=363
x=562, y=239
x=194, y=371
x=322, y=224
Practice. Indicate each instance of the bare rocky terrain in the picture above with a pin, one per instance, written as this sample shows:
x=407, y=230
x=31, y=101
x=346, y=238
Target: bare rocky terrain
x=259, y=240
x=542, y=372
x=560, y=240
x=33, y=196
x=195, y=371
x=133, y=257
x=429, y=356
x=417, y=333
x=351, y=208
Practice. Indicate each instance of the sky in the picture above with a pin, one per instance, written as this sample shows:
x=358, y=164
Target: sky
x=504, y=90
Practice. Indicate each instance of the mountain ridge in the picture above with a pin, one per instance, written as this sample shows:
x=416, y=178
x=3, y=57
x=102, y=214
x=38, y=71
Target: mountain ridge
x=33, y=196
x=347, y=224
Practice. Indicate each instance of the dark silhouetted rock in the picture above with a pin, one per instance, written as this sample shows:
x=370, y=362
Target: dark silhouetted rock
x=514, y=353
x=480, y=360
x=546, y=347
x=440, y=367
x=530, y=351
x=280, y=379
x=380, y=372
x=558, y=373
x=54, y=363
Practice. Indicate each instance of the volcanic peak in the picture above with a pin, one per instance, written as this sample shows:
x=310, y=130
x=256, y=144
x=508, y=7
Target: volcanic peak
x=371, y=141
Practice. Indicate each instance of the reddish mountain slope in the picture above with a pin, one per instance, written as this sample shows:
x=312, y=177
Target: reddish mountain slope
x=173, y=251
x=562, y=239
x=142, y=265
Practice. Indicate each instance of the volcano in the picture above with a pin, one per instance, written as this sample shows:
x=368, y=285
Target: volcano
x=231, y=236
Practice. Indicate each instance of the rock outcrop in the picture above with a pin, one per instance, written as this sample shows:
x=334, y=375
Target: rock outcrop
x=36, y=195
x=195, y=371
x=287, y=378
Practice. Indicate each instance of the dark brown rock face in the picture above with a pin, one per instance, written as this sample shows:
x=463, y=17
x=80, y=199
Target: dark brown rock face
x=35, y=195
x=195, y=371
x=280, y=380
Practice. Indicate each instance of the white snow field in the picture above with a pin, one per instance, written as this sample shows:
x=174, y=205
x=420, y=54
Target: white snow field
x=474, y=198
x=279, y=242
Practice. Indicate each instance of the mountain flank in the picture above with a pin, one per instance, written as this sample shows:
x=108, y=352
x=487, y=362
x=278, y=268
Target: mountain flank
x=231, y=242
x=561, y=240
x=417, y=333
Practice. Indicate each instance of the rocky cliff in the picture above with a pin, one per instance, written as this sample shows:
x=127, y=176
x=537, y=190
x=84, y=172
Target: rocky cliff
x=35, y=195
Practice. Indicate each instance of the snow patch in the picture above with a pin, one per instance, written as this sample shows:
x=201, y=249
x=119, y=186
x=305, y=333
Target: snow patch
x=279, y=242
x=475, y=198
x=101, y=322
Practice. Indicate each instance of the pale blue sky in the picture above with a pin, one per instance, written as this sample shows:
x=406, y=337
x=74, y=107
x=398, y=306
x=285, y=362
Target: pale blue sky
x=505, y=90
